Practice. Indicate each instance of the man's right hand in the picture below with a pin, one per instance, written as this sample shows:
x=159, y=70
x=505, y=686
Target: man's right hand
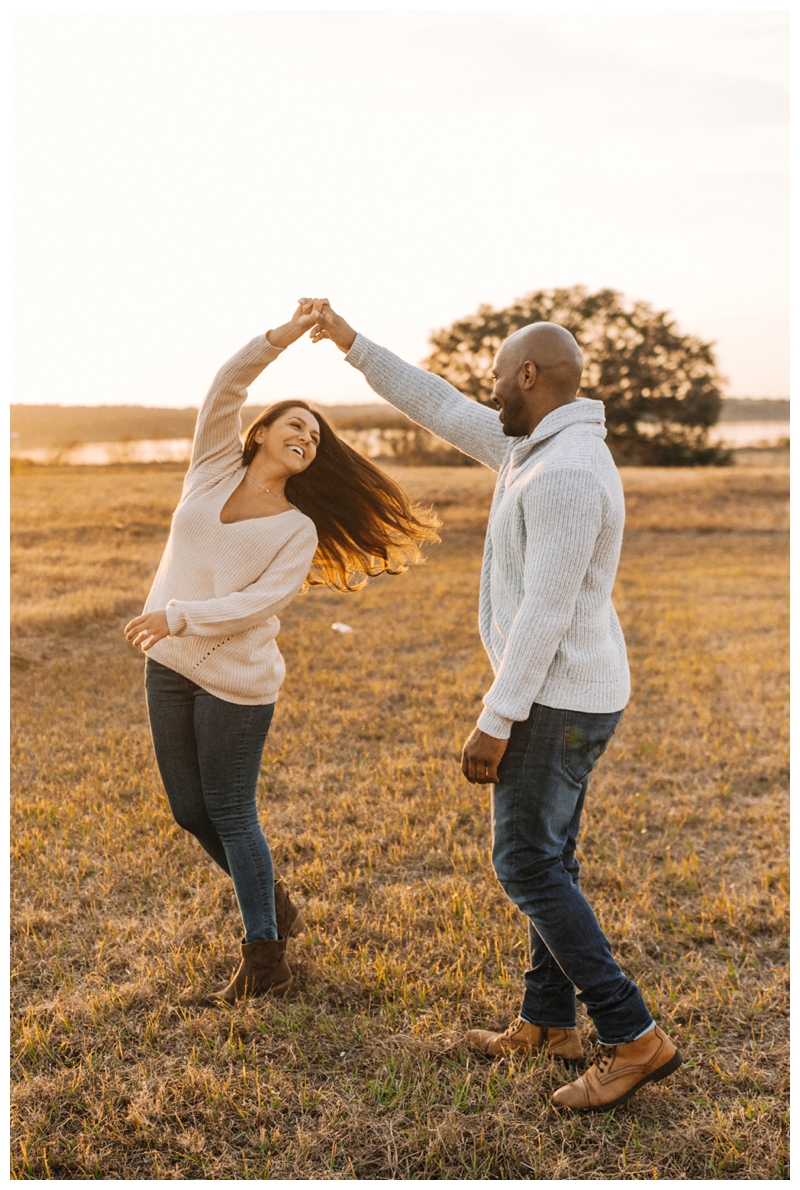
x=331, y=326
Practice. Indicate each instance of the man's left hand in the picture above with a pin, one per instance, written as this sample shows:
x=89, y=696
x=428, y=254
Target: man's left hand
x=480, y=757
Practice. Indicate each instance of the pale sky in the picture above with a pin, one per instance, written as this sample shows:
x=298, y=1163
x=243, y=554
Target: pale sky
x=179, y=178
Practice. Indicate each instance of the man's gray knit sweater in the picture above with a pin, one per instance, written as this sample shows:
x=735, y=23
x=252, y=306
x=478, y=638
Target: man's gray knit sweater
x=552, y=544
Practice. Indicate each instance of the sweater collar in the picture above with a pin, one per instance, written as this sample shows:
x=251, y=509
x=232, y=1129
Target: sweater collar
x=583, y=411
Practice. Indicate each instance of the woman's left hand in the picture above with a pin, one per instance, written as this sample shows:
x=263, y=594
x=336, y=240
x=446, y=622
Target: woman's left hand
x=145, y=630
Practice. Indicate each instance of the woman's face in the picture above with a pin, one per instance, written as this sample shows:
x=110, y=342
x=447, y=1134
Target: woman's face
x=291, y=440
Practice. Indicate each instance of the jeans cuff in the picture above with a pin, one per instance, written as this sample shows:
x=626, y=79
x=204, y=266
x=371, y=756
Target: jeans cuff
x=547, y=1024
x=627, y=1040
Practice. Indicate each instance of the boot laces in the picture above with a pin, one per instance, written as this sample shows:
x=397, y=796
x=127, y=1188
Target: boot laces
x=603, y=1057
x=514, y=1027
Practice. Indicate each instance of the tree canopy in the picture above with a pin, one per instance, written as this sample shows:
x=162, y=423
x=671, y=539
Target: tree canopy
x=661, y=388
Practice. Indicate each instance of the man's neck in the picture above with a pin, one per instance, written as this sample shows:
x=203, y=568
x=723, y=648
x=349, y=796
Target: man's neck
x=542, y=407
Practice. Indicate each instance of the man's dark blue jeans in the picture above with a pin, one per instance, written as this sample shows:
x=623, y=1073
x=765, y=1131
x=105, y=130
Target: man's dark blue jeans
x=536, y=814
x=209, y=754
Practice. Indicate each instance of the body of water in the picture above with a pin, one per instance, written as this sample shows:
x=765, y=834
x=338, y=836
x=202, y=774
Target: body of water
x=748, y=433
x=139, y=450
x=177, y=450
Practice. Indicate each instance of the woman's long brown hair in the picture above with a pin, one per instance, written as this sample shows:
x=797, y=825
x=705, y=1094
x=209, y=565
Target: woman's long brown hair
x=365, y=522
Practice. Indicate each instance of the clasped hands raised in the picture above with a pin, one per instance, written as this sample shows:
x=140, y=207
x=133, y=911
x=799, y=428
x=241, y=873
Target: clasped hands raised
x=314, y=315
x=325, y=323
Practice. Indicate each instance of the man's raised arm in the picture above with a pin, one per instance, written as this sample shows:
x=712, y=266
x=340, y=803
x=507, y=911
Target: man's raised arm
x=427, y=399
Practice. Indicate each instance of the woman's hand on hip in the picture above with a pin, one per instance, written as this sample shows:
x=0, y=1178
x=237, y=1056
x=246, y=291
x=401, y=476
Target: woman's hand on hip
x=144, y=631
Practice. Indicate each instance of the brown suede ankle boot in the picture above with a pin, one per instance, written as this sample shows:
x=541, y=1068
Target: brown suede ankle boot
x=521, y=1037
x=618, y=1071
x=288, y=916
x=263, y=969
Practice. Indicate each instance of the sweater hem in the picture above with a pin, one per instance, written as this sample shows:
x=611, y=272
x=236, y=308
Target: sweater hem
x=166, y=657
x=587, y=706
x=594, y=699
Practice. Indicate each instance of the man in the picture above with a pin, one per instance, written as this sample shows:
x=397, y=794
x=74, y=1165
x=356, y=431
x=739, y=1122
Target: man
x=561, y=680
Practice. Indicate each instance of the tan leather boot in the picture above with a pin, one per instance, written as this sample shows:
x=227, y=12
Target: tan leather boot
x=263, y=969
x=288, y=916
x=521, y=1037
x=618, y=1071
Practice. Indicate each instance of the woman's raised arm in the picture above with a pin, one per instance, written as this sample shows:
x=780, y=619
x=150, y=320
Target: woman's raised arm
x=217, y=445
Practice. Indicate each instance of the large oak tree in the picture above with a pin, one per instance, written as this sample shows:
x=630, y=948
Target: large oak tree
x=661, y=388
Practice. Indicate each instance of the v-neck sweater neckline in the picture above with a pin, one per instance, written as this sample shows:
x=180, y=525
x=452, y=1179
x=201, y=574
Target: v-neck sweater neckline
x=244, y=520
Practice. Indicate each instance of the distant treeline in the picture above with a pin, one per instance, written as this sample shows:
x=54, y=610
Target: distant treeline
x=378, y=430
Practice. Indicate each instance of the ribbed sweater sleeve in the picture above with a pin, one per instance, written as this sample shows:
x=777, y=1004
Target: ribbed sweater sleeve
x=217, y=445
x=431, y=402
x=272, y=591
x=562, y=510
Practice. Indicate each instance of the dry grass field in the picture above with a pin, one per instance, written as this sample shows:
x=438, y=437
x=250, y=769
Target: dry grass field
x=361, y=1072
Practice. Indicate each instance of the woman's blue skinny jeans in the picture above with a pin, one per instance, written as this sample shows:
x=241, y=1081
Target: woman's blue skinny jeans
x=209, y=754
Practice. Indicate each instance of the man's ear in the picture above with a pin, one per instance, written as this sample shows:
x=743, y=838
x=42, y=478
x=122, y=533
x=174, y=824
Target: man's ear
x=526, y=377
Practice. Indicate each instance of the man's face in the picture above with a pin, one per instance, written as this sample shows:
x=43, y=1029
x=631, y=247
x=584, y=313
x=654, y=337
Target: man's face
x=508, y=397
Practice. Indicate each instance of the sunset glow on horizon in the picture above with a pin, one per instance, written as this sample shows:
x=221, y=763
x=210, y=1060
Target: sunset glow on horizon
x=180, y=178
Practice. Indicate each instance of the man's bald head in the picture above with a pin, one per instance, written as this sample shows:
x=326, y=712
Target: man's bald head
x=554, y=351
x=537, y=369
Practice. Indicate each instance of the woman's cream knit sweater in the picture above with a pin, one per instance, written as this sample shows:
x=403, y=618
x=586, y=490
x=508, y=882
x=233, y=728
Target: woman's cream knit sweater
x=222, y=585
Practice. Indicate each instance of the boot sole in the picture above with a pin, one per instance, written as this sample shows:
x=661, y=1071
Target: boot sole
x=297, y=926
x=218, y=1001
x=572, y=1063
x=662, y=1072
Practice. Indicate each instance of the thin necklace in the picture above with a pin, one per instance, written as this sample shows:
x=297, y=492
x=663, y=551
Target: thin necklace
x=269, y=493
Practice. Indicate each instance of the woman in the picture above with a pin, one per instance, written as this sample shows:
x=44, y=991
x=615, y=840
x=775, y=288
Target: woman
x=296, y=505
